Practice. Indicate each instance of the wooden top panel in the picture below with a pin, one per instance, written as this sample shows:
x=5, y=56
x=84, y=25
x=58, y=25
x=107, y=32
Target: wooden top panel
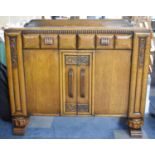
x=81, y=22
x=79, y=26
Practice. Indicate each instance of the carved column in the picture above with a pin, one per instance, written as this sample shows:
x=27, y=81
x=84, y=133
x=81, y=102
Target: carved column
x=16, y=81
x=138, y=84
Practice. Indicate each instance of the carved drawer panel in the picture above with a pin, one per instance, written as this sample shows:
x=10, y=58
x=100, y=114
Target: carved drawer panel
x=49, y=41
x=123, y=42
x=105, y=41
x=67, y=41
x=86, y=41
x=31, y=41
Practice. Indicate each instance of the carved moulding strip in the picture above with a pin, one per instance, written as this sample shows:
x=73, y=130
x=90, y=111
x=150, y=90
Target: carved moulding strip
x=142, y=46
x=77, y=60
x=77, y=32
x=13, y=48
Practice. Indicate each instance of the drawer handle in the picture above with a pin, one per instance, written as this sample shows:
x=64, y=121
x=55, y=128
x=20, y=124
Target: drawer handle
x=48, y=41
x=105, y=41
x=70, y=82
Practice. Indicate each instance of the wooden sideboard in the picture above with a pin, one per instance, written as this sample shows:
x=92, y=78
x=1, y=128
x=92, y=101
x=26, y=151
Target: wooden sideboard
x=78, y=67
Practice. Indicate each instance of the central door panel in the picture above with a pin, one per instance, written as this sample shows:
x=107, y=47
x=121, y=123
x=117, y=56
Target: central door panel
x=70, y=88
x=76, y=82
x=83, y=87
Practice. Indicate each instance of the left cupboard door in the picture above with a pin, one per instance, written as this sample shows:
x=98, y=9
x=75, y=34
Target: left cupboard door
x=42, y=81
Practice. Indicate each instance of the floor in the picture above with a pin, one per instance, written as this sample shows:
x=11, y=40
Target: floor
x=77, y=128
x=80, y=127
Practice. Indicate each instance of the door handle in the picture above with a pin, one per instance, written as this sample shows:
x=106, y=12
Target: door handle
x=70, y=82
x=82, y=83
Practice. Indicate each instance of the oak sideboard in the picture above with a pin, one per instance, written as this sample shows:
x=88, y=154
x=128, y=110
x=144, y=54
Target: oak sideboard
x=78, y=67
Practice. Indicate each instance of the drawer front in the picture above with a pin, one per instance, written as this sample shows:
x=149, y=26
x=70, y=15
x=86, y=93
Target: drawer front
x=49, y=41
x=123, y=42
x=105, y=41
x=67, y=41
x=86, y=41
x=80, y=41
x=31, y=41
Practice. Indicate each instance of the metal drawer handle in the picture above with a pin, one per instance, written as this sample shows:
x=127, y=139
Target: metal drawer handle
x=48, y=41
x=105, y=41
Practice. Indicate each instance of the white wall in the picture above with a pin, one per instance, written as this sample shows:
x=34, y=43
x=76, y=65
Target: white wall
x=15, y=21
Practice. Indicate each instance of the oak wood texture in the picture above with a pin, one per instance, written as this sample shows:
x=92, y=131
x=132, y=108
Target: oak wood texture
x=78, y=67
x=74, y=64
x=31, y=41
x=86, y=41
x=123, y=42
x=67, y=41
x=42, y=81
x=112, y=73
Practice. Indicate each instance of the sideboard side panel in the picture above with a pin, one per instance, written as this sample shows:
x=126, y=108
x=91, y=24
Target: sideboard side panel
x=138, y=83
x=16, y=81
x=16, y=73
x=139, y=73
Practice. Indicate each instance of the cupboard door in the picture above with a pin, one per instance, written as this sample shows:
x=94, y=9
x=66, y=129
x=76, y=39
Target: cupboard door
x=112, y=80
x=84, y=88
x=76, y=83
x=42, y=81
x=70, y=88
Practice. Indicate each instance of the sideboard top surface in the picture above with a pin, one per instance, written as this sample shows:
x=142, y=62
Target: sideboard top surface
x=80, y=25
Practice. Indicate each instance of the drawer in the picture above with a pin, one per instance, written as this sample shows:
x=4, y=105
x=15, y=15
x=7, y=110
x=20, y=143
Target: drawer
x=105, y=41
x=123, y=42
x=67, y=41
x=31, y=41
x=86, y=41
x=49, y=41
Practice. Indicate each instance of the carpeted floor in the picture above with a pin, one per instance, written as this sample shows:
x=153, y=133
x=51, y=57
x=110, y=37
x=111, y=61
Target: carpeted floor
x=80, y=127
x=77, y=128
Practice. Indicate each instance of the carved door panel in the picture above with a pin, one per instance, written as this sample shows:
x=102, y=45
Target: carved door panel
x=76, y=83
x=70, y=88
x=83, y=89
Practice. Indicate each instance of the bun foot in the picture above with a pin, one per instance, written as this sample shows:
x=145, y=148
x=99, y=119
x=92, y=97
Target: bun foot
x=19, y=125
x=135, y=127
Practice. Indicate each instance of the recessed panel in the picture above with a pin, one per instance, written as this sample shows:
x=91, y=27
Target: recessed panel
x=112, y=80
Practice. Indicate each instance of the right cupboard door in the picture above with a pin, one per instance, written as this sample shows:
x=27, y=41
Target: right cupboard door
x=112, y=78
